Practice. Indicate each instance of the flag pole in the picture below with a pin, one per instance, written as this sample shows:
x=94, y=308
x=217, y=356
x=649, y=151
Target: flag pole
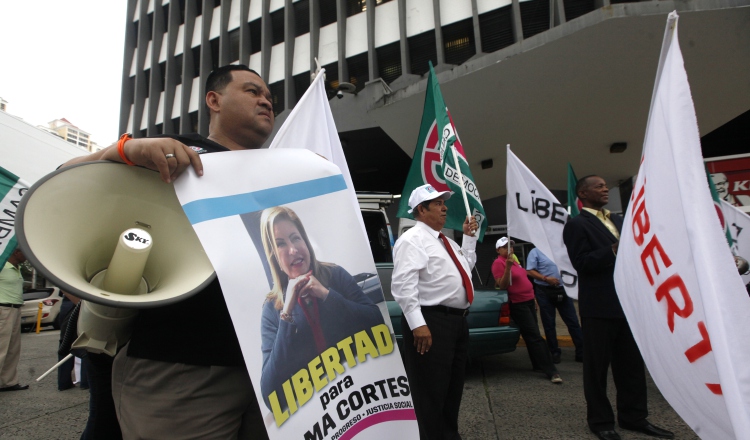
x=463, y=188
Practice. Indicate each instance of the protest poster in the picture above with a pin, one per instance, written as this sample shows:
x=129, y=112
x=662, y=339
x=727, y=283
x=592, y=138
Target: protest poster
x=331, y=369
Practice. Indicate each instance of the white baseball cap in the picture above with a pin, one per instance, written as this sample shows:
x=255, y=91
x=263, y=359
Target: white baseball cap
x=424, y=193
x=503, y=242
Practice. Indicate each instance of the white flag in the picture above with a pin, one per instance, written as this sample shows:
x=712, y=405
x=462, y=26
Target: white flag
x=675, y=275
x=310, y=126
x=535, y=215
x=739, y=228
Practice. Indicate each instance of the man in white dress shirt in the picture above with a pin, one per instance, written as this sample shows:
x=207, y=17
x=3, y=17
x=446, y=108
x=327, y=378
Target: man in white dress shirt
x=432, y=284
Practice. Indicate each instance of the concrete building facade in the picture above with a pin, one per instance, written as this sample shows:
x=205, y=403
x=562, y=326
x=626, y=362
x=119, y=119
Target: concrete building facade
x=559, y=80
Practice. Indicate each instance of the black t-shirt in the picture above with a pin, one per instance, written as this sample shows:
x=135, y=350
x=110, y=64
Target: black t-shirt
x=196, y=331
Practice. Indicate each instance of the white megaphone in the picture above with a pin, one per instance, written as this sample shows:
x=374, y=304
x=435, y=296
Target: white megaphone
x=115, y=236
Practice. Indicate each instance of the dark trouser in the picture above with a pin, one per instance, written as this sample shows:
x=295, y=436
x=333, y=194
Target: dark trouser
x=437, y=377
x=102, y=422
x=524, y=316
x=567, y=313
x=610, y=341
x=64, y=371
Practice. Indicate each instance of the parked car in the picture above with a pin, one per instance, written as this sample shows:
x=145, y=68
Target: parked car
x=51, y=300
x=490, y=328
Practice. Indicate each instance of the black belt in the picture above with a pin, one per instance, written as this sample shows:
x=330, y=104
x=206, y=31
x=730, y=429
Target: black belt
x=447, y=310
x=15, y=306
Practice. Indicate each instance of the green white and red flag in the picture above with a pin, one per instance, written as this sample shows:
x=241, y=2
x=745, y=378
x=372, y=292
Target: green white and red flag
x=434, y=163
x=11, y=190
x=574, y=205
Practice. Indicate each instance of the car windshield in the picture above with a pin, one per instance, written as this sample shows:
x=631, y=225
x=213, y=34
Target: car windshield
x=38, y=294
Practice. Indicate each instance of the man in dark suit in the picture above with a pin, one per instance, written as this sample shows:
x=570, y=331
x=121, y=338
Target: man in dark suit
x=592, y=239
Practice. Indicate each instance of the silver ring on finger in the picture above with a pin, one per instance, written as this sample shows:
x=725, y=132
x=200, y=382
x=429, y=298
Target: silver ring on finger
x=170, y=155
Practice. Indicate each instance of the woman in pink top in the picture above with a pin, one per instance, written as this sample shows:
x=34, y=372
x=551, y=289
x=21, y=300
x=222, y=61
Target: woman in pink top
x=511, y=276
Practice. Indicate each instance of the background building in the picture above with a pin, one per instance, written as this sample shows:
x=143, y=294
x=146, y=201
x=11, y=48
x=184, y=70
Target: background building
x=559, y=80
x=64, y=129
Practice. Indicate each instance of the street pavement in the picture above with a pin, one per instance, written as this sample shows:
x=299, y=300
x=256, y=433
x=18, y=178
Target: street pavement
x=503, y=399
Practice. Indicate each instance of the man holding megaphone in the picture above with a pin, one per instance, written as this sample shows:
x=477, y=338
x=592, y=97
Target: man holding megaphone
x=182, y=375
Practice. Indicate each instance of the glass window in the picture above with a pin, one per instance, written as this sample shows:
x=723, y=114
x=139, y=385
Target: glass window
x=327, y=12
x=255, y=36
x=389, y=61
x=301, y=17
x=277, y=97
x=422, y=49
x=496, y=29
x=534, y=17
x=458, y=39
x=358, y=71
x=277, y=26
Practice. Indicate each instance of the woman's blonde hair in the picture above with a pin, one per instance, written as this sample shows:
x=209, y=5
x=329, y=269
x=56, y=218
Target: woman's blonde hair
x=320, y=270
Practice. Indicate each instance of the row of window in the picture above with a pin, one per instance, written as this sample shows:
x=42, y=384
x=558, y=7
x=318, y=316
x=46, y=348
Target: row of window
x=496, y=31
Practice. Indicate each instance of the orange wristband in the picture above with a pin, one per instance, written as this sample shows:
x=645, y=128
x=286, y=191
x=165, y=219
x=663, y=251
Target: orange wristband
x=121, y=147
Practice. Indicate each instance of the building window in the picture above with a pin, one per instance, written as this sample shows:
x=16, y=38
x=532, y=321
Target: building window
x=277, y=27
x=163, y=74
x=358, y=72
x=234, y=45
x=178, y=67
x=150, y=23
x=193, y=122
x=255, y=36
x=389, y=61
x=181, y=4
x=327, y=12
x=534, y=17
x=354, y=7
x=277, y=97
x=196, y=61
x=576, y=8
x=214, y=44
x=301, y=18
x=458, y=39
x=496, y=29
x=422, y=49
x=301, y=84
x=165, y=16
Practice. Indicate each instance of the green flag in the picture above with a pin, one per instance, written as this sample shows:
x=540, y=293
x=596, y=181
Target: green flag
x=719, y=210
x=433, y=163
x=574, y=205
x=11, y=190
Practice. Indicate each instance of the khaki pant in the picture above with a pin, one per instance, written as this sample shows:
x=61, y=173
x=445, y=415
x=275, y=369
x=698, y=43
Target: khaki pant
x=10, y=345
x=159, y=400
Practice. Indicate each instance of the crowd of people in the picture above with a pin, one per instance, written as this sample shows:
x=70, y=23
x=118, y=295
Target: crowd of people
x=182, y=374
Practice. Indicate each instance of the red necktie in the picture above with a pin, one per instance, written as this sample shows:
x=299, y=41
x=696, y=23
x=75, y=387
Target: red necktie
x=464, y=276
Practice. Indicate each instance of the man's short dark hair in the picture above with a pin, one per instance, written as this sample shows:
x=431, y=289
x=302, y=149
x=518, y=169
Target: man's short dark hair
x=221, y=77
x=582, y=183
x=425, y=205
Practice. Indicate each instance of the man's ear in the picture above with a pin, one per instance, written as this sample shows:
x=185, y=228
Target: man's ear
x=213, y=101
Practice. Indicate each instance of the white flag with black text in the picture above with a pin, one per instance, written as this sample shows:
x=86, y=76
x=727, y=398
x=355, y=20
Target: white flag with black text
x=535, y=215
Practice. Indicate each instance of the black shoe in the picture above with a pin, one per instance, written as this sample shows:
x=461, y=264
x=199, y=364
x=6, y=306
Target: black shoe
x=16, y=387
x=648, y=429
x=556, y=358
x=607, y=435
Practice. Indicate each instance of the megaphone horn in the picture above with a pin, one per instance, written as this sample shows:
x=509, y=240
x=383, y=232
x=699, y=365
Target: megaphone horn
x=70, y=223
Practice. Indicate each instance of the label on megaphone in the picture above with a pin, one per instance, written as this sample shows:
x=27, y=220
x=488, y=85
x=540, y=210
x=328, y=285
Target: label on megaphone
x=125, y=271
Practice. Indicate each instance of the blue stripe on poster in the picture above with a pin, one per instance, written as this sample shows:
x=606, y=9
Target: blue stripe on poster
x=203, y=210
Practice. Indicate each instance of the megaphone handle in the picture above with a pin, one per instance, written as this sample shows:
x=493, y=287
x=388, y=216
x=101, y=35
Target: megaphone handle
x=55, y=367
x=71, y=330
